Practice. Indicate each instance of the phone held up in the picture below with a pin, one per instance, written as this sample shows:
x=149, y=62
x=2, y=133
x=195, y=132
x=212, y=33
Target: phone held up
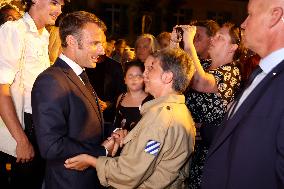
x=179, y=32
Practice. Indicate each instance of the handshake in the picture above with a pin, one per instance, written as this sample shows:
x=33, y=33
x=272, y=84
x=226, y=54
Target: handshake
x=115, y=141
x=112, y=144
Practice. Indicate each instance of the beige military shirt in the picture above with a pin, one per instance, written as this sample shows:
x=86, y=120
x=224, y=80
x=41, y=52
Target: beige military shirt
x=156, y=152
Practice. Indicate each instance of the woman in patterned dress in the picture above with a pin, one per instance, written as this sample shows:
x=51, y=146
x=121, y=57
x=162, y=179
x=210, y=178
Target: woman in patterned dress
x=212, y=89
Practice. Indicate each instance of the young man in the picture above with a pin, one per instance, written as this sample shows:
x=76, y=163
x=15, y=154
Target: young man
x=66, y=112
x=25, y=39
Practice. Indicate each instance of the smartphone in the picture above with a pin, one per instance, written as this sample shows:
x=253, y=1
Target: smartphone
x=179, y=32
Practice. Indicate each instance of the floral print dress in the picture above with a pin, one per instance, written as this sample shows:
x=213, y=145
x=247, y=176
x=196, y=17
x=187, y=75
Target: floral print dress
x=209, y=109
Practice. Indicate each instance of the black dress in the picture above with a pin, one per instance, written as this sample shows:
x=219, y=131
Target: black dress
x=128, y=117
x=209, y=109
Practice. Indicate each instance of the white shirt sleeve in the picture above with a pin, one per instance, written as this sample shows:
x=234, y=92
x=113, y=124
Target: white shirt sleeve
x=11, y=39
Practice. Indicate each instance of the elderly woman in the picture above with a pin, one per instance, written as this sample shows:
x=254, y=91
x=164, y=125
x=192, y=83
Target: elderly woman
x=145, y=45
x=212, y=88
x=159, y=147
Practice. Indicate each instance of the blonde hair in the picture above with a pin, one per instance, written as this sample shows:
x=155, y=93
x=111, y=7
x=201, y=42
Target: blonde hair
x=153, y=42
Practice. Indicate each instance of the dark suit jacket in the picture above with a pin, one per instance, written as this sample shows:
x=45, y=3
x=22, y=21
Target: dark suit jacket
x=67, y=122
x=248, y=152
x=107, y=78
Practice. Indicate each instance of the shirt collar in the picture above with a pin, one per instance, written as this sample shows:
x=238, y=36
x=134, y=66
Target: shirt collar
x=272, y=60
x=75, y=67
x=32, y=26
x=160, y=102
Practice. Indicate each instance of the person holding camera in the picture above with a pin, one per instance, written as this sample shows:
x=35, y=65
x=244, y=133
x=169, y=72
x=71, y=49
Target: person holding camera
x=212, y=88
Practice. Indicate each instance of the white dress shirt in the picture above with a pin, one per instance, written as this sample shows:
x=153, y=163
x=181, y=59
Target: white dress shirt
x=19, y=37
x=73, y=65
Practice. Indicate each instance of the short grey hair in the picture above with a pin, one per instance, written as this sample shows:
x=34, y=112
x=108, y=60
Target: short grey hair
x=180, y=64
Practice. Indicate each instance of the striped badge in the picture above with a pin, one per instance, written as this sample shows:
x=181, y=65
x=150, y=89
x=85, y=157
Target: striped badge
x=152, y=147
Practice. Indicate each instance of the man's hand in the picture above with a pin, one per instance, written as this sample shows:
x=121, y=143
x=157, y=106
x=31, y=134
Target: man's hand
x=24, y=151
x=111, y=146
x=115, y=141
x=80, y=162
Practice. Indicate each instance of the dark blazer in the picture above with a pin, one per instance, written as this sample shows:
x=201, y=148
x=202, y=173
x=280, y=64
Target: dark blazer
x=248, y=151
x=67, y=122
x=107, y=78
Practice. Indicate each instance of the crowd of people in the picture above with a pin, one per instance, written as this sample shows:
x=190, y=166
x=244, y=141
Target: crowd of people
x=195, y=107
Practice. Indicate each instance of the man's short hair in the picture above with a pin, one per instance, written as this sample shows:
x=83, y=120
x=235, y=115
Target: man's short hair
x=73, y=23
x=179, y=63
x=211, y=26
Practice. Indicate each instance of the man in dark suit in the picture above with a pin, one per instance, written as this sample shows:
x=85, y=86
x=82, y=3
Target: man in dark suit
x=248, y=151
x=66, y=113
x=108, y=81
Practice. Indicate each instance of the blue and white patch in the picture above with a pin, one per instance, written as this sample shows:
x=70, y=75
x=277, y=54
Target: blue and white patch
x=152, y=147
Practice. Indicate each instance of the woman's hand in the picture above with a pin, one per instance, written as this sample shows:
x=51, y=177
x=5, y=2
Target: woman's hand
x=80, y=162
x=188, y=36
x=119, y=135
x=174, y=41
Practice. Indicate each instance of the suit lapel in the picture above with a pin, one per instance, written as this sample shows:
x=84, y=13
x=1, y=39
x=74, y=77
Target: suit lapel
x=76, y=80
x=229, y=125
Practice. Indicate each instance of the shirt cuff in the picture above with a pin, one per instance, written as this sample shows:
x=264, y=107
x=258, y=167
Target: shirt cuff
x=106, y=151
x=101, y=170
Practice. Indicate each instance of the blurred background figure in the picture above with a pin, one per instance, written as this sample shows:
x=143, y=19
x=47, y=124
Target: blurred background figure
x=164, y=39
x=127, y=56
x=54, y=47
x=109, y=48
x=129, y=103
x=9, y=12
x=205, y=30
x=248, y=62
x=119, y=45
x=145, y=45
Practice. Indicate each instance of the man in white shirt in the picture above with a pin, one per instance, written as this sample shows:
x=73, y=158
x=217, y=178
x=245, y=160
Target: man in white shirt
x=248, y=151
x=29, y=37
